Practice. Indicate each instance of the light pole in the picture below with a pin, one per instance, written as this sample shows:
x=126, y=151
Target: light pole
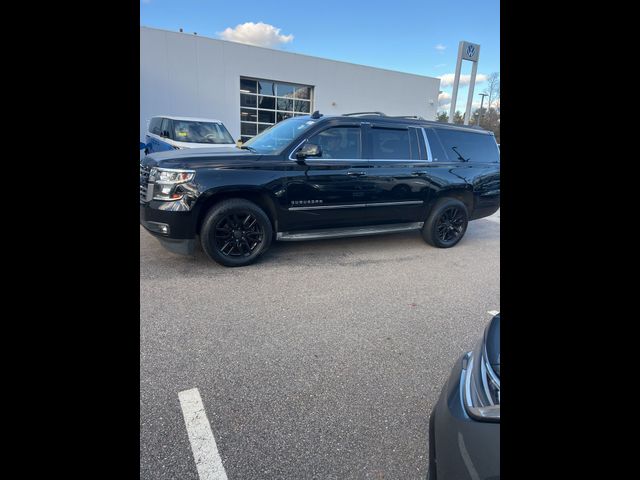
x=481, y=103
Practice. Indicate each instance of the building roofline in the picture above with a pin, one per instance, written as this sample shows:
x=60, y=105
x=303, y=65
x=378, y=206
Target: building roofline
x=291, y=53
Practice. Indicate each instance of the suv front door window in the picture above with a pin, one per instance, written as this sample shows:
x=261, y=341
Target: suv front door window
x=331, y=190
x=339, y=143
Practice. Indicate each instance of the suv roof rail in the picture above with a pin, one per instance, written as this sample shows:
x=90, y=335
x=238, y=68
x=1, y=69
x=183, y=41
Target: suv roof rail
x=415, y=117
x=380, y=114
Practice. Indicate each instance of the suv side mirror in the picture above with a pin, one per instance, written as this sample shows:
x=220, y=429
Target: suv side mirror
x=308, y=150
x=164, y=134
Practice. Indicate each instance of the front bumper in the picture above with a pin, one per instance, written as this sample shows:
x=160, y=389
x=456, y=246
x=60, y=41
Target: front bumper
x=181, y=224
x=182, y=247
x=180, y=227
x=461, y=447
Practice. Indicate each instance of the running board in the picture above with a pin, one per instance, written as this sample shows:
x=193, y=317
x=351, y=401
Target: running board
x=347, y=232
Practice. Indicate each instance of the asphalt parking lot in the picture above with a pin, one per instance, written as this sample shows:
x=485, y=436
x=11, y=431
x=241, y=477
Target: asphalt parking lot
x=321, y=361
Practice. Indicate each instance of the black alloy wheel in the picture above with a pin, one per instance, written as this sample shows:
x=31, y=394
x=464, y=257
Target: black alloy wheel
x=447, y=223
x=235, y=232
x=238, y=234
x=450, y=225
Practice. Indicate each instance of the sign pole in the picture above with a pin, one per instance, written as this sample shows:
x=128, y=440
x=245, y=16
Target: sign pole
x=456, y=82
x=472, y=84
x=481, y=104
x=466, y=51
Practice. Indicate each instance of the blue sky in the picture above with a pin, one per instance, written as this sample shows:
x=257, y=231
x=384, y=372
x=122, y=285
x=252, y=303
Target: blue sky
x=415, y=36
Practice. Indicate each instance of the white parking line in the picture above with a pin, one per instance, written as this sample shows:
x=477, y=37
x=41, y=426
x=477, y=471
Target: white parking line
x=493, y=312
x=203, y=444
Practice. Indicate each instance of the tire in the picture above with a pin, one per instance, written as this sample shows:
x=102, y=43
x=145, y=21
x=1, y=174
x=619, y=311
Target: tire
x=235, y=233
x=446, y=224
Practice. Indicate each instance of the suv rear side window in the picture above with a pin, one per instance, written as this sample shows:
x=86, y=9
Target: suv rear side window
x=469, y=146
x=390, y=144
x=154, y=125
x=416, y=150
x=164, y=128
x=437, y=150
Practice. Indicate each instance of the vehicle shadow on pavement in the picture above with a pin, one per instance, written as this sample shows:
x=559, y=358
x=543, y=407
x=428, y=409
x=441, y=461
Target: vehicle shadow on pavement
x=156, y=262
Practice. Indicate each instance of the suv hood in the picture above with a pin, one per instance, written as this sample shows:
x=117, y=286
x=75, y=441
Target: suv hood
x=203, y=145
x=199, y=157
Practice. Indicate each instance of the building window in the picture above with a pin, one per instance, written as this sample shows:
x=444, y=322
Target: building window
x=264, y=103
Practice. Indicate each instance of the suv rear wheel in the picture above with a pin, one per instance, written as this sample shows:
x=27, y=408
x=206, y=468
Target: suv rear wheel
x=235, y=233
x=446, y=224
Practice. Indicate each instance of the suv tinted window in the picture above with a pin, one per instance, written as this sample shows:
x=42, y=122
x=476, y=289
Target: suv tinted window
x=164, y=128
x=437, y=150
x=154, y=125
x=390, y=143
x=339, y=142
x=200, y=132
x=416, y=151
x=468, y=146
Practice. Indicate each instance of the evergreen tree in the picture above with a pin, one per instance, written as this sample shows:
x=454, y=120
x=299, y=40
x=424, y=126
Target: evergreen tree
x=442, y=117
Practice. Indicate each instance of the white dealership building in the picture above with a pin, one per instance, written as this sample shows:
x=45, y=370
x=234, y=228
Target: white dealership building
x=249, y=88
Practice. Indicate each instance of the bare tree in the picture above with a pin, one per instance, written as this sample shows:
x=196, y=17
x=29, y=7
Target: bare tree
x=493, y=88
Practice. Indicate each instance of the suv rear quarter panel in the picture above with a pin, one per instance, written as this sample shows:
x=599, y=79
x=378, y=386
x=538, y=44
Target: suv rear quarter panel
x=477, y=185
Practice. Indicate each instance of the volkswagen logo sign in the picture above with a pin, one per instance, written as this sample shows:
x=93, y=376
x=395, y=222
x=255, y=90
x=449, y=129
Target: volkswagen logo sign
x=471, y=50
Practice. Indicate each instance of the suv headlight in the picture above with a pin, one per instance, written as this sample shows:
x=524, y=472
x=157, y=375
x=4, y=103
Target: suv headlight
x=167, y=182
x=481, y=388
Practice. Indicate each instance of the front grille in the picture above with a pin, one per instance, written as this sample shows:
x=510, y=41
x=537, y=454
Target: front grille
x=144, y=182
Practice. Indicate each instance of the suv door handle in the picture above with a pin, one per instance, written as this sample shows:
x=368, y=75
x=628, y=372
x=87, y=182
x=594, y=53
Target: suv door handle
x=419, y=173
x=356, y=174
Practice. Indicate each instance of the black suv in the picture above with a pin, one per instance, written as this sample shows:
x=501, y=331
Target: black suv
x=312, y=177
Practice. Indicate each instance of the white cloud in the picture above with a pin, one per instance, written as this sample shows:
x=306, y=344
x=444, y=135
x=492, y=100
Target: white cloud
x=446, y=80
x=444, y=99
x=259, y=34
x=440, y=48
x=444, y=102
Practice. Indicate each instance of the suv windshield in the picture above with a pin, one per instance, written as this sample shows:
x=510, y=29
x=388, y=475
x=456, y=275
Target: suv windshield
x=273, y=140
x=200, y=132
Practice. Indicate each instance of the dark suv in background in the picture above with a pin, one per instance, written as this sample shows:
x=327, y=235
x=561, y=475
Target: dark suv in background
x=464, y=427
x=313, y=177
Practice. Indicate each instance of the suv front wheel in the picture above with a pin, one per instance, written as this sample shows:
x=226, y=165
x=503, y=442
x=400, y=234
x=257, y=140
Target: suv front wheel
x=447, y=223
x=235, y=233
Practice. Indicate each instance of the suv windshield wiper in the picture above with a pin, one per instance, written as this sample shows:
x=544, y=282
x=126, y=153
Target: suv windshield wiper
x=247, y=147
